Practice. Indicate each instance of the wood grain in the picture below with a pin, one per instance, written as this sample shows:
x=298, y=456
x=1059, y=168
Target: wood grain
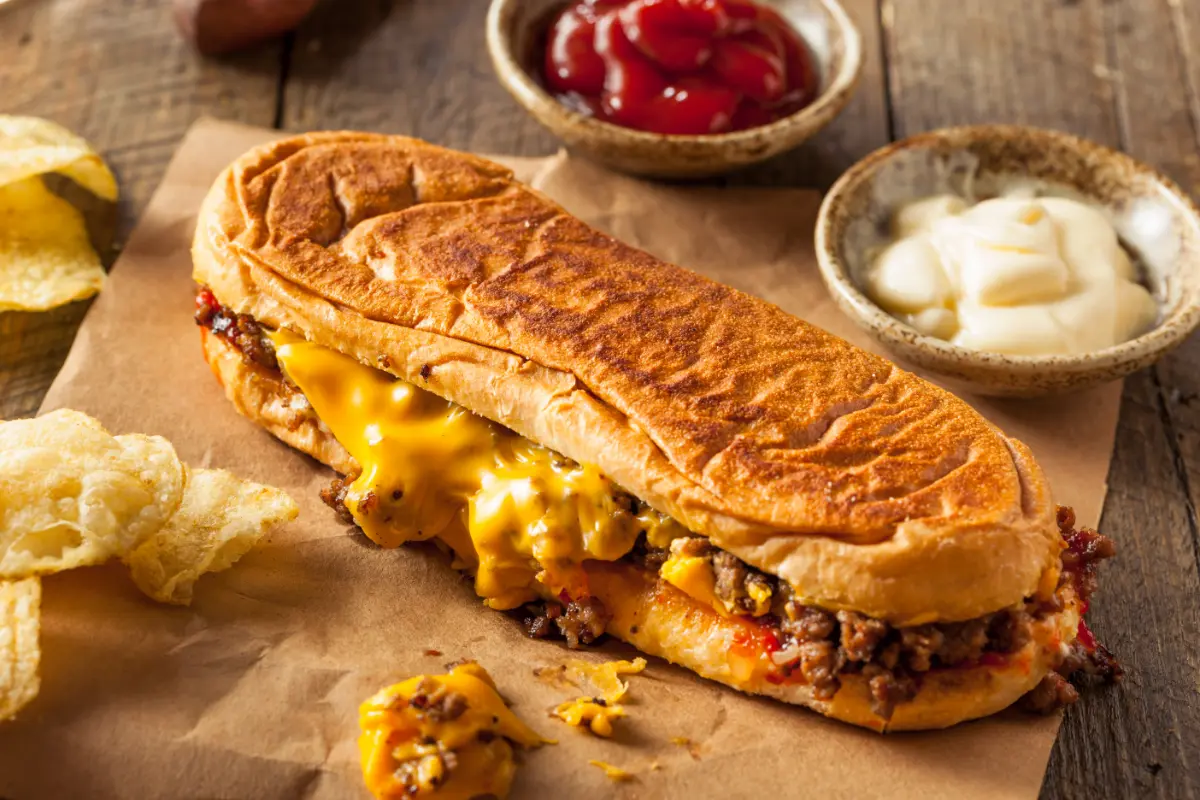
x=1146, y=43
x=418, y=67
x=1086, y=67
x=115, y=72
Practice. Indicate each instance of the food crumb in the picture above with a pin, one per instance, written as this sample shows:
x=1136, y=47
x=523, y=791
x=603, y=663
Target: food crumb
x=692, y=748
x=555, y=675
x=613, y=773
x=432, y=652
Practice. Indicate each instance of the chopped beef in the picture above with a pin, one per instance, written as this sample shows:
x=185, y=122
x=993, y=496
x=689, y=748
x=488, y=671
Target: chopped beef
x=241, y=331
x=888, y=688
x=1086, y=548
x=334, y=496
x=922, y=643
x=540, y=623
x=647, y=557
x=860, y=635
x=437, y=702
x=583, y=622
x=822, y=646
x=820, y=663
x=580, y=621
x=964, y=641
x=730, y=573
x=807, y=623
x=1052, y=693
x=738, y=585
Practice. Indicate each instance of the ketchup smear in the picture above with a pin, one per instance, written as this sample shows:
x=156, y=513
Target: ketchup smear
x=678, y=66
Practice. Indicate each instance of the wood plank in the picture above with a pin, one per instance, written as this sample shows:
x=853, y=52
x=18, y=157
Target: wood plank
x=1032, y=62
x=115, y=72
x=1156, y=114
x=418, y=68
x=1078, y=71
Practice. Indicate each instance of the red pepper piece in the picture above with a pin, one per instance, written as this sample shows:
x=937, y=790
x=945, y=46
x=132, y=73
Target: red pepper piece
x=676, y=35
x=572, y=64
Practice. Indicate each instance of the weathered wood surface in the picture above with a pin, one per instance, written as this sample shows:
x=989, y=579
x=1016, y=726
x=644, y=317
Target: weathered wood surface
x=1122, y=72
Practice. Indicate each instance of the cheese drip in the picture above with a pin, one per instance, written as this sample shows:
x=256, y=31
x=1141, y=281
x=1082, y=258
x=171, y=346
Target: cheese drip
x=515, y=512
x=407, y=734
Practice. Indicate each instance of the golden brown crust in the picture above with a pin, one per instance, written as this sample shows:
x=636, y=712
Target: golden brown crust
x=662, y=621
x=860, y=484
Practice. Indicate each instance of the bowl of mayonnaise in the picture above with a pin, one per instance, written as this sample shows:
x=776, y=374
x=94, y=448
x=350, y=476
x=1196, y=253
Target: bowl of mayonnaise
x=1013, y=261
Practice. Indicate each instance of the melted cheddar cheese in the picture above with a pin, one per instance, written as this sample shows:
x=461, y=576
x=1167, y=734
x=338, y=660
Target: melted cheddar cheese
x=594, y=713
x=514, y=512
x=694, y=576
x=605, y=677
x=408, y=734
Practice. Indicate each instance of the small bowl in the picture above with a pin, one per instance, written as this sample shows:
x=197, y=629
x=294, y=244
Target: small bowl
x=513, y=28
x=1157, y=223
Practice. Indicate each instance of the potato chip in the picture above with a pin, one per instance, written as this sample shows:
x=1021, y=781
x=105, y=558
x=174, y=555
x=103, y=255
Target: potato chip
x=20, y=624
x=30, y=147
x=46, y=259
x=72, y=495
x=220, y=519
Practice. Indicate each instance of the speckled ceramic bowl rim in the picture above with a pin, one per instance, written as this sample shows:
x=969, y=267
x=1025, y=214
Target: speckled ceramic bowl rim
x=1182, y=321
x=841, y=84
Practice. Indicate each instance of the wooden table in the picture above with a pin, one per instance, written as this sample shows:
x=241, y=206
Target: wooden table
x=1123, y=72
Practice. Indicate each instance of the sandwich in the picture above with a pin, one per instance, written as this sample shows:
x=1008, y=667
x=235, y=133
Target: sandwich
x=611, y=444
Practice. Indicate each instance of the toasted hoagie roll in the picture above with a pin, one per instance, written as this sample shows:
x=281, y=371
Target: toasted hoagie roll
x=630, y=447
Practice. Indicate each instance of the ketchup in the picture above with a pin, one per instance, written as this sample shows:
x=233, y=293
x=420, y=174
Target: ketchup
x=678, y=66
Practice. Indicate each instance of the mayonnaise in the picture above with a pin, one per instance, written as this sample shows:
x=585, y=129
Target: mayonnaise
x=1022, y=276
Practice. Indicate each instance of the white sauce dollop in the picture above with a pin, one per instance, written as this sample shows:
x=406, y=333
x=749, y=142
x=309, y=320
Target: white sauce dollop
x=1022, y=276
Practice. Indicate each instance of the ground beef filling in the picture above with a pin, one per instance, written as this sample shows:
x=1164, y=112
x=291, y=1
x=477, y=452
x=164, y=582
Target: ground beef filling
x=821, y=646
x=241, y=331
x=817, y=645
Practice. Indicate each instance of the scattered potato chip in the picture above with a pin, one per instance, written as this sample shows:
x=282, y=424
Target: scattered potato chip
x=20, y=624
x=72, y=495
x=46, y=259
x=220, y=519
x=30, y=146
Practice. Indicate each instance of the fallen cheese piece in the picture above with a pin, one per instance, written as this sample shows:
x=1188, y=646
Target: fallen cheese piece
x=446, y=736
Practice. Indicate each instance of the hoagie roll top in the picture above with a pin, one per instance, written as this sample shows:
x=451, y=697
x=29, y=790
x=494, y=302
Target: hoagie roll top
x=862, y=486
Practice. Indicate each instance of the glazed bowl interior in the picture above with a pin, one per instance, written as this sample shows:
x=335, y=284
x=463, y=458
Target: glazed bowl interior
x=1156, y=221
x=516, y=35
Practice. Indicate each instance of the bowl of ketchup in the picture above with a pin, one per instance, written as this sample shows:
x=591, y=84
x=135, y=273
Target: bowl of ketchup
x=677, y=88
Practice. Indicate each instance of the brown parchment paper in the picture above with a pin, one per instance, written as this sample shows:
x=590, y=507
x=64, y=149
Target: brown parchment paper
x=253, y=691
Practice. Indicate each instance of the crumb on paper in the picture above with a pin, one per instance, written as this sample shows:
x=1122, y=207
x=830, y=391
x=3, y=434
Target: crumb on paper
x=555, y=675
x=692, y=748
x=611, y=772
x=433, y=653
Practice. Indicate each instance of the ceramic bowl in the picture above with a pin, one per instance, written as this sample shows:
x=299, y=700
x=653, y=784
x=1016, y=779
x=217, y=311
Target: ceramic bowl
x=1156, y=221
x=513, y=30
